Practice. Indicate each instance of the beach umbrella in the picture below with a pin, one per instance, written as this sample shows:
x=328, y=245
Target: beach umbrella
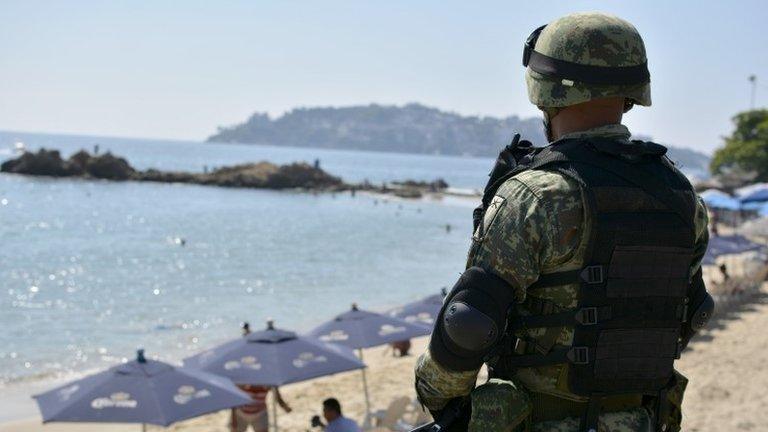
x=422, y=311
x=761, y=208
x=728, y=245
x=360, y=329
x=756, y=196
x=274, y=357
x=750, y=188
x=718, y=199
x=140, y=391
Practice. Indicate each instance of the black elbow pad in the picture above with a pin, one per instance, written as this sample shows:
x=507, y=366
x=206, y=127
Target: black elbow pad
x=703, y=313
x=471, y=321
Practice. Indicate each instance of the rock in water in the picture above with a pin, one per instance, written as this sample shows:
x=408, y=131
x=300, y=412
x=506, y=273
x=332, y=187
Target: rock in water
x=78, y=162
x=44, y=163
x=301, y=175
x=108, y=166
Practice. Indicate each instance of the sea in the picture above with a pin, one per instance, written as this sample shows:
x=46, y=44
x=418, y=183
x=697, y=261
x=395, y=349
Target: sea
x=92, y=270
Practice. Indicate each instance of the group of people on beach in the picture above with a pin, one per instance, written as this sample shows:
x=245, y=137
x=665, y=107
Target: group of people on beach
x=256, y=414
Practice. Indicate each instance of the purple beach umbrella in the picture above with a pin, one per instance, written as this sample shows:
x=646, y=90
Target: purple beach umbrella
x=140, y=391
x=358, y=328
x=423, y=312
x=274, y=357
x=728, y=245
x=363, y=329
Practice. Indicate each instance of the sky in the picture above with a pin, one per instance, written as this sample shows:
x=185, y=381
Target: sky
x=179, y=69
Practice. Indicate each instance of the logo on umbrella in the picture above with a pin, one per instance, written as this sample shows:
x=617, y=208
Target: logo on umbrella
x=115, y=400
x=306, y=358
x=335, y=336
x=420, y=317
x=247, y=362
x=388, y=329
x=67, y=392
x=187, y=393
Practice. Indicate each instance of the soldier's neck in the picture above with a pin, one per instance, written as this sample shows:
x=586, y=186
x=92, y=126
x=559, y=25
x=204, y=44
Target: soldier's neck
x=585, y=116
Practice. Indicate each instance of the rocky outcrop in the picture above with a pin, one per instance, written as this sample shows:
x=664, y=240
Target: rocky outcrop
x=44, y=162
x=81, y=164
x=260, y=175
x=107, y=166
x=433, y=186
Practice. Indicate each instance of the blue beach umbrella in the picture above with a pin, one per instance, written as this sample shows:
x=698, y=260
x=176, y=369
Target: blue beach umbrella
x=728, y=245
x=721, y=200
x=358, y=329
x=140, y=391
x=363, y=329
x=759, y=195
x=423, y=312
x=274, y=357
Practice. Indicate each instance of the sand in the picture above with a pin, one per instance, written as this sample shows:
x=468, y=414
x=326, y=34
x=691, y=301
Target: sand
x=726, y=365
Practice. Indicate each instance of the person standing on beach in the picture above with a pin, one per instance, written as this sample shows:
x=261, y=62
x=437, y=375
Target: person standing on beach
x=583, y=281
x=255, y=414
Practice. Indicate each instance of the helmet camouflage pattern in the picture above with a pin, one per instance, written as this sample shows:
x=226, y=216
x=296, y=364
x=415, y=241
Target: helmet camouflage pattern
x=590, y=39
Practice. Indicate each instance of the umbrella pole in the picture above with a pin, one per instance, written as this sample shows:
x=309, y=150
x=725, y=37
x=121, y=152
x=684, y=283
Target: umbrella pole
x=365, y=387
x=274, y=411
x=143, y=427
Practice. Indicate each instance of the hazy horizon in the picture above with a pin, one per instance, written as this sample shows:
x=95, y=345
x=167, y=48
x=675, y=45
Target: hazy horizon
x=149, y=70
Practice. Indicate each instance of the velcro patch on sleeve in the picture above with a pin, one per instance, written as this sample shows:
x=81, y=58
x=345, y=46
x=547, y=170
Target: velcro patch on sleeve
x=490, y=214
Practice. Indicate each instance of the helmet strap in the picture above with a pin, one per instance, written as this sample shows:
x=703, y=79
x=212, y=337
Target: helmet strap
x=549, y=113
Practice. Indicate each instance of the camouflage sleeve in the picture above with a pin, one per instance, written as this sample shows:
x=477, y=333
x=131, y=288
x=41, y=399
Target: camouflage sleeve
x=537, y=225
x=436, y=385
x=701, y=225
x=534, y=223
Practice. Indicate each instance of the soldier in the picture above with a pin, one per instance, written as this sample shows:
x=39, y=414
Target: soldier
x=583, y=281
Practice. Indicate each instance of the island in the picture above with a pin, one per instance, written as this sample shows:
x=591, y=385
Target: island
x=259, y=175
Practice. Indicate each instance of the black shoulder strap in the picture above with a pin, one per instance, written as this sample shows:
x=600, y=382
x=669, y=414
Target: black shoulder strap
x=511, y=158
x=561, y=153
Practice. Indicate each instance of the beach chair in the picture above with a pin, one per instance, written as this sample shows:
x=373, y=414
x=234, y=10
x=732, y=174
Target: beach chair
x=389, y=419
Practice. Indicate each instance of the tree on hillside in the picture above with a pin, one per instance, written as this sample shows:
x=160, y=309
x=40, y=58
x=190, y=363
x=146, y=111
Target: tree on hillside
x=746, y=150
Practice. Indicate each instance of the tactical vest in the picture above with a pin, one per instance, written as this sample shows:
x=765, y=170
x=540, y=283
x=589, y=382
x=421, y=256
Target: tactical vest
x=633, y=288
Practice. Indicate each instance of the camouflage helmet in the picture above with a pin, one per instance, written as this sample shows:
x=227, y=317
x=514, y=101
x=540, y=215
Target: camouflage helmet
x=585, y=56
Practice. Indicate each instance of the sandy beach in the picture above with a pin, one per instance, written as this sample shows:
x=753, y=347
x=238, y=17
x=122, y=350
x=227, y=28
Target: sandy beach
x=725, y=364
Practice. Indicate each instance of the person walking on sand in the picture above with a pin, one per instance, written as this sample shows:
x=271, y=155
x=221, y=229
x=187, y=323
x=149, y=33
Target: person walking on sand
x=255, y=414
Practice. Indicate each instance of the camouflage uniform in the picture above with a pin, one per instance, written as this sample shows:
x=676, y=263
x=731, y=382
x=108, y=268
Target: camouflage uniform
x=537, y=224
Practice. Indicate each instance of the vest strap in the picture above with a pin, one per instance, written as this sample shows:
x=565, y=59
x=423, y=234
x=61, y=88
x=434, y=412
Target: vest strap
x=573, y=355
x=585, y=316
x=549, y=280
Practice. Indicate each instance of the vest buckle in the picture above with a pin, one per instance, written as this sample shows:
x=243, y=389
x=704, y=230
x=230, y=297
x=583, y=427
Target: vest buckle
x=593, y=274
x=578, y=355
x=587, y=316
